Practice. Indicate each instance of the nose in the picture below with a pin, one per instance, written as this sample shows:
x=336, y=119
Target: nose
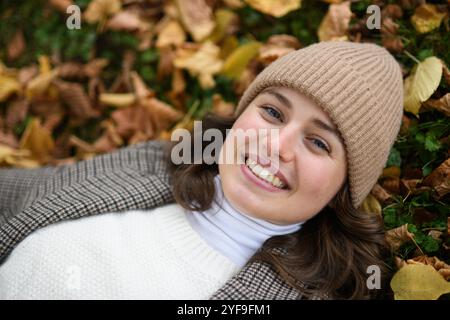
x=285, y=142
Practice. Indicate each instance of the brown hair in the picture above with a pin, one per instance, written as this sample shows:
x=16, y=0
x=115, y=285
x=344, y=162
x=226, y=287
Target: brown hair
x=327, y=257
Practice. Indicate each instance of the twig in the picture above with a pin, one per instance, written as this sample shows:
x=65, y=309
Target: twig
x=411, y=56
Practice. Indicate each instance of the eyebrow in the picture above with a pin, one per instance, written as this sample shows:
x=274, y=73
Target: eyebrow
x=317, y=122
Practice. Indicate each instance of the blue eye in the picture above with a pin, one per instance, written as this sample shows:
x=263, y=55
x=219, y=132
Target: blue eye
x=274, y=111
x=321, y=145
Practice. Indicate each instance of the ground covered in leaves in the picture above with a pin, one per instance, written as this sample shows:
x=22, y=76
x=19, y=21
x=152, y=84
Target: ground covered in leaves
x=138, y=69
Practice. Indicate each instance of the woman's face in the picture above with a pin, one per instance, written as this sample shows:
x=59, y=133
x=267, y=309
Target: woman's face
x=311, y=159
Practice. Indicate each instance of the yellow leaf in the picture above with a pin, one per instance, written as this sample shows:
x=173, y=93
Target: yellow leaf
x=44, y=64
x=119, y=100
x=427, y=18
x=371, y=205
x=275, y=8
x=38, y=85
x=8, y=86
x=418, y=282
x=38, y=140
x=422, y=83
x=224, y=18
x=237, y=61
x=334, y=25
x=171, y=34
x=203, y=63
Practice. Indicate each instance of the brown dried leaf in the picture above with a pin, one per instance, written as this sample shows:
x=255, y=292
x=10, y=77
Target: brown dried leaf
x=9, y=139
x=140, y=89
x=441, y=105
x=16, y=45
x=163, y=115
x=276, y=47
x=16, y=112
x=100, y=10
x=275, y=8
x=132, y=121
x=446, y=73
x=222, y=107
x=61, y=5
x=398, y=236
x=171, y=33
x=197, y=18
x=76, y=99
x=334, y=25
x=437, y=264
x=126, y=21
x=380, y=193
x=27, y=73
x=439, y=179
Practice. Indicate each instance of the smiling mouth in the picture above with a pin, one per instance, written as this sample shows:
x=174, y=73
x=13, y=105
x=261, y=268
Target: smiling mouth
x=275, y=181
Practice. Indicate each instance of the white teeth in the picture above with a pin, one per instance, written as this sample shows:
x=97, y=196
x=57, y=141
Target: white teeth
x=264, y=174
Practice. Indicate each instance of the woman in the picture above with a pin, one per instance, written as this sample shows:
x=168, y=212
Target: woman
x=337, y=107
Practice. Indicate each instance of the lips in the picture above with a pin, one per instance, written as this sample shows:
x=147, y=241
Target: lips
x=265, y=164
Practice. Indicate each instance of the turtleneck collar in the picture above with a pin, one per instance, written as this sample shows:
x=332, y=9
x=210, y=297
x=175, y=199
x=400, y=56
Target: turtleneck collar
x=235, y=234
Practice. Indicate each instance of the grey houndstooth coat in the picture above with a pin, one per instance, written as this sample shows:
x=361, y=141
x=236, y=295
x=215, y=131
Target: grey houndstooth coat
x=134, y=177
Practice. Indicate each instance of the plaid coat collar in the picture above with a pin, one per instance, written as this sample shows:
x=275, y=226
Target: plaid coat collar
x=134, y=177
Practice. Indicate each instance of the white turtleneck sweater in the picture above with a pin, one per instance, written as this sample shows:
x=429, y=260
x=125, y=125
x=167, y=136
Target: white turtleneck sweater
x=161, y=253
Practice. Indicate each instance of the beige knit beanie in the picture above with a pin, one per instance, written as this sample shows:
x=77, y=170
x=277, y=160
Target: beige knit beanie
x=360, y=86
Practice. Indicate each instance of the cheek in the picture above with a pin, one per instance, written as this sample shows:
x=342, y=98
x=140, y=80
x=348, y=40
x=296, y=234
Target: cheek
x=317, y=176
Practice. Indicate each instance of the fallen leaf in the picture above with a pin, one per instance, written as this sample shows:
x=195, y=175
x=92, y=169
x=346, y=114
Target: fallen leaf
x=380, y=193
x=126, y=21
x=8, y=86
x=204, y=63
x=131, y=120
x=118, y=100
x=334, y=25
x=439, y=179
x=61, y=5
x=422, y=83
x=426, y=18
x=16, y=45
x=398, y=236
x=140, y=89
x=38, y=140
x=100, y=10
x=441, y=105
x=172, y=33
x=226, y=24
x=440, y=266
x=277, y=46
x=234, y=4
x=16, y=158
x=238, y=60
x=418, y=282
x=197, y=18
x=371, y=205
x=275, y=8
x=163, y=115
x=16, y=112
x=222, y=107
x=75, y=97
